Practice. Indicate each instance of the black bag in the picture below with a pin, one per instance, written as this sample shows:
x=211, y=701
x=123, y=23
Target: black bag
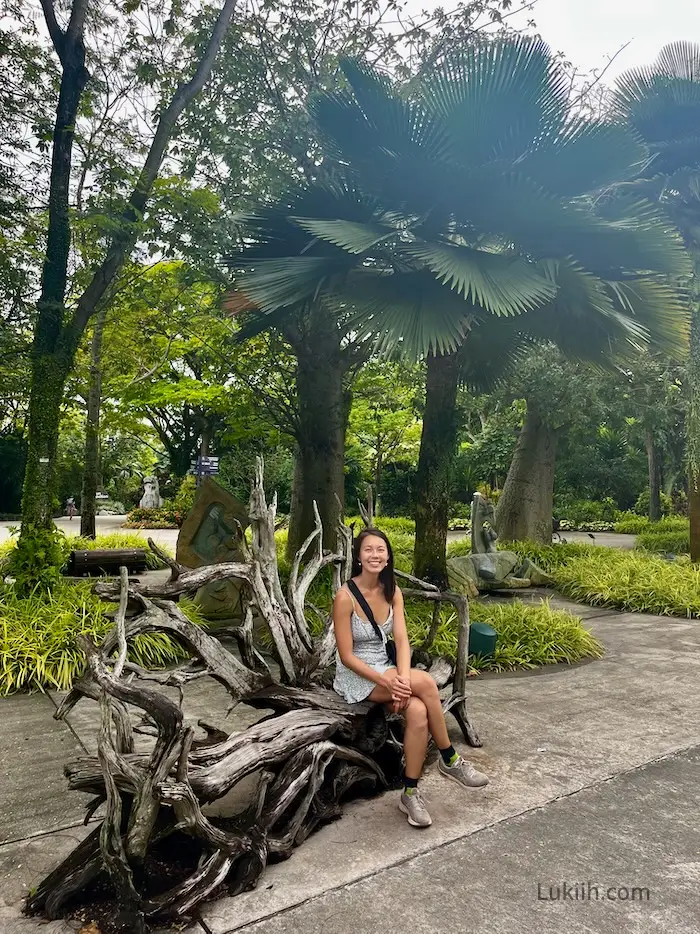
x=389, y=644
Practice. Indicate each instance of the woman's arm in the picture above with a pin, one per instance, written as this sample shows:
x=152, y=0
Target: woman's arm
x=403, y=646
x=342, y=623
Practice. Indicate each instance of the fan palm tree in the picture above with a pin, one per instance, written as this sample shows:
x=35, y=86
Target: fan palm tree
x=662, y=104
x=468, y=193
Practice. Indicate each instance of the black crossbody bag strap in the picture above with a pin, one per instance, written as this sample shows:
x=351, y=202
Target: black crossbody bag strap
x=355, y=590
x=389, y=644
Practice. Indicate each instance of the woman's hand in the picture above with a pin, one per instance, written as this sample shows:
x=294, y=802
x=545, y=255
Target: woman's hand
x=399, y=688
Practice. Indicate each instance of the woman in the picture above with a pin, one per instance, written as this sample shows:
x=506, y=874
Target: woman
x=364, y=671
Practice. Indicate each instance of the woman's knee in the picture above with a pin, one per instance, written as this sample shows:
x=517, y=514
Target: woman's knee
x=424, y=687
x=417, y=714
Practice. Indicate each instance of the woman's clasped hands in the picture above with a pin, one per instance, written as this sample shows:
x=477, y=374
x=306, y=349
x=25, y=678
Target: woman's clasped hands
x=399, y=688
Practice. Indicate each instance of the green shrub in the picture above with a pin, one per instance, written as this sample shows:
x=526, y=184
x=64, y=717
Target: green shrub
x=529, y=635
x=641, y=507
x=117, y=540
x=166, y=517
x=184, y=501
x=671, y=524
x=677, y=543
x=578, y=512
x=37, y=637
x=36, y=559
x=460, y=547
x=633, y=581
x=113, y=541
x=629, y=523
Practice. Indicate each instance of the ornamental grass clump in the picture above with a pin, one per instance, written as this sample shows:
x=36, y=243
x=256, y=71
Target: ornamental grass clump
x=529, y=635
x=634, y=581
x=38, y=632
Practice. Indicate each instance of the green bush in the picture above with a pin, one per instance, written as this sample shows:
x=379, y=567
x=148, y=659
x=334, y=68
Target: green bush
x=184, y=501
x=641, y=507
x=629, y=523
x=633, y=581
x=529, y=635
x=166, y=517
x=36, y=559
x=38, y=631
x=113, y=541
x=677, y=543
x=579, y=512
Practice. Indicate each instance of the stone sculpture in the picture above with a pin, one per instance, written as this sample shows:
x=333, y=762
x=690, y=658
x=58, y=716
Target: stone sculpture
x=151, y=498
x=212, y=533
x=487, y=568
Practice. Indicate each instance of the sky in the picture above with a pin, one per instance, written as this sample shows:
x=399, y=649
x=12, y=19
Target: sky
x=590, y=32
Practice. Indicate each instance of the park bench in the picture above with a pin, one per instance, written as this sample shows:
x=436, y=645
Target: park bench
x=101, y=561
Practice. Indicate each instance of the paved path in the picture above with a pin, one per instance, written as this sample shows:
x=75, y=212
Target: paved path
x=593, y=778
x=108, y=524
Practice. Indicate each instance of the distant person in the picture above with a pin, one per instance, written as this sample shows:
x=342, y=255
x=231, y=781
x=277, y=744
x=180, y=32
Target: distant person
x=365, y=670
x=70, y=507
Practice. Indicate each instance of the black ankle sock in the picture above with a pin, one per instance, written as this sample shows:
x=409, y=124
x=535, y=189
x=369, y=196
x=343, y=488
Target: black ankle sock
x=410, y=782
x=448, y=754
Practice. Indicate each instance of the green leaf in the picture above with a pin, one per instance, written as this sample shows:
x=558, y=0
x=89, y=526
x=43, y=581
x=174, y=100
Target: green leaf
x=286, y=282
x=496, y=98
x=348, y=235
x=500, y=284
x=407, y=310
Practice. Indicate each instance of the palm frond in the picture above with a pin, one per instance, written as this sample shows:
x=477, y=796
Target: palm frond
x=348, y=235
x=286, y=282
x=584, y=156
x=496, y=98
x=680, y=60
x=500, y=284
x=492, y=351
x=407, y=310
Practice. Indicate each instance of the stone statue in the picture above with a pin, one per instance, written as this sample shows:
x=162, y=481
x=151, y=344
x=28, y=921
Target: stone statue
x=216, y=541
x=487, y=568
x=151, y=498
x=212, y=533
x=484, y=533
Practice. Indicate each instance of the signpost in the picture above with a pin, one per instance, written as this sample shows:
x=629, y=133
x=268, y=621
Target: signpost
x=205, y=466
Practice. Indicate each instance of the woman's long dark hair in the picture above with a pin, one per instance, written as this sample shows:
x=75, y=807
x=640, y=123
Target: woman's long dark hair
x=386, y=576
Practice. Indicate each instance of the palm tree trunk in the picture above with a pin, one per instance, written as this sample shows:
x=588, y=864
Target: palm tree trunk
x=654, y=475
x=438, y=445
x=91, y=469
x=524, y=511
x=319, y=471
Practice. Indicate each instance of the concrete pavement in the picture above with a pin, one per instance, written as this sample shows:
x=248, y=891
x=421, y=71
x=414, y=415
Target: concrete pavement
x=593, y=777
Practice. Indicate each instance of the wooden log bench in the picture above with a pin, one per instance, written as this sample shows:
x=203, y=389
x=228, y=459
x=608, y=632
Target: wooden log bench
x=101, y=561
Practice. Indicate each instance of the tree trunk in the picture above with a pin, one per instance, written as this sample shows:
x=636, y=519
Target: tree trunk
x=438, y=445
x=46, y=397
x=654, y=475
x=694, y=422
x=49, y=365
x=319, y=470
x=91, y=470
x=524, y=511
x=57, y=336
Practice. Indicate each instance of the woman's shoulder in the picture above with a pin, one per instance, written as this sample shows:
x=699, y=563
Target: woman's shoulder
x=343, y=598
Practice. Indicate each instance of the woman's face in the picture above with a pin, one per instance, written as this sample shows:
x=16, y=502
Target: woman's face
x=374, y=555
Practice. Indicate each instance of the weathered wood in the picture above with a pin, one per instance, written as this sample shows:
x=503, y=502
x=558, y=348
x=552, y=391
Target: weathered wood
x=106, y=561
x=308, y=754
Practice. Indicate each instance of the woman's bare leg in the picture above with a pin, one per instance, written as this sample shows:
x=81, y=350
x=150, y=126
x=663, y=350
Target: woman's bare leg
x=415, y=740
x=423, y=687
